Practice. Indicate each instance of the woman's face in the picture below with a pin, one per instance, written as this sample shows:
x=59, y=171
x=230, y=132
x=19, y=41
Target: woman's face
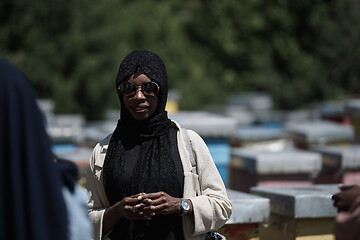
x=140, y=106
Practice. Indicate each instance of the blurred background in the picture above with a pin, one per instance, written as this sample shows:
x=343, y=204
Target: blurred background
x=299, y=52
x=233, y=66
x=272, y=86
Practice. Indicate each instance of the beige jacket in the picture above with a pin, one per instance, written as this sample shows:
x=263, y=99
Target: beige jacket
x=211, y=210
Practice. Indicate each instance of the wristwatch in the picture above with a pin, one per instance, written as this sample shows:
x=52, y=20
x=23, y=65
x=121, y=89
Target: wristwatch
x=185, y=206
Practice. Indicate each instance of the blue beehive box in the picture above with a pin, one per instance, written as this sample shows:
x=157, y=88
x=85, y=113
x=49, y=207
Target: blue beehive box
x=216, y=130
x=220, y=152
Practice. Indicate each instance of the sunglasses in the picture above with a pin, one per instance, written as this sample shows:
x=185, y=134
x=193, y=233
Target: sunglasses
x=129, y=89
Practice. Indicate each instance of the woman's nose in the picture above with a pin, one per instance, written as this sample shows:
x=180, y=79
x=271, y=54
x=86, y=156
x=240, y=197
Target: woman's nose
x=139, y=94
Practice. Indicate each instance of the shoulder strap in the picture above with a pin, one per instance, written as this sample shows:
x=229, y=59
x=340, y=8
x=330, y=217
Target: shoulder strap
x=213, y=234
x=189, y=149
x=192, y=158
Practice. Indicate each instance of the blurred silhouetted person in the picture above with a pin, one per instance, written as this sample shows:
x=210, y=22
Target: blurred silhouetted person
x=31, y=202
x=347, y=223
x=76, y=197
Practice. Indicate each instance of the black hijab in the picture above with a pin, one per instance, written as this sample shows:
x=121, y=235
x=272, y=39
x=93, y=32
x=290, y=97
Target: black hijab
x=31, y=202
x=145, y=142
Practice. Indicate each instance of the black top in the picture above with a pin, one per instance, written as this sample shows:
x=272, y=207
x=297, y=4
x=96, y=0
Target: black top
x=143, y=156
x=160, y=227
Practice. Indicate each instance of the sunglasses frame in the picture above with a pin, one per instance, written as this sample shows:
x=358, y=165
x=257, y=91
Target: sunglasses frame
x=137, y=87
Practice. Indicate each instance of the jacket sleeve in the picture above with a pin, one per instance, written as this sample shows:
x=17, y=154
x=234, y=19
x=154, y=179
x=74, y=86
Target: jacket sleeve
x=97, y=199
x=212, y=208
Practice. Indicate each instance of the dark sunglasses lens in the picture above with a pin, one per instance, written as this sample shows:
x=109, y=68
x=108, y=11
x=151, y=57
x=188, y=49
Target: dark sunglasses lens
x=150, y=89
x=127, y=89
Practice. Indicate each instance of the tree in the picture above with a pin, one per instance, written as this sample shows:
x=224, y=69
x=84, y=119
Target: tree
x=298, y=51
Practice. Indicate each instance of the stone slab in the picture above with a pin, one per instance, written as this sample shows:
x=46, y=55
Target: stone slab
x=344, y=157
x=206, y=124
x=321, y=132
x=267, y=162
x=300, y=201
x=248, y=208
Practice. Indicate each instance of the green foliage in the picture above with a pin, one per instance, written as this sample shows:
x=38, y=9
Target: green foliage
x=299, y=51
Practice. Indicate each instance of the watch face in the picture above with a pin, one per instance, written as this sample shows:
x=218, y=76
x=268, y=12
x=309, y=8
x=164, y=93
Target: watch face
x=185, y=205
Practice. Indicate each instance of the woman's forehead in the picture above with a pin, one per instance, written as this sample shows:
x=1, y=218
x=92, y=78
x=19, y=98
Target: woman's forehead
x=139, y=78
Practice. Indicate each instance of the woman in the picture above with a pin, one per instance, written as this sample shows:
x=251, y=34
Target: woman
x=32, y=205
x=140, y=178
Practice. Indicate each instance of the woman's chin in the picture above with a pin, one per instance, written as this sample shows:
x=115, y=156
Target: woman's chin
x=140, y=115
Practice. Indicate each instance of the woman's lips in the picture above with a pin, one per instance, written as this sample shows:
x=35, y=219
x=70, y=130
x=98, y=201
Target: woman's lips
x=141, y=109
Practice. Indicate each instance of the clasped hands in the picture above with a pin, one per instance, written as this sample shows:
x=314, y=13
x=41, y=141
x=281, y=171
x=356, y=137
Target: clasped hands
x=144, y=206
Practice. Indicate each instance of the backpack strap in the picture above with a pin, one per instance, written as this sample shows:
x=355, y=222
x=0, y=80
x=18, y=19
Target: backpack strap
x=189, y=149
x=192, y=159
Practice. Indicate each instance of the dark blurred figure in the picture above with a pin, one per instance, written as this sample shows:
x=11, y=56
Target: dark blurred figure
x=347, y=223
x=31, y=202
x=76, y=198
